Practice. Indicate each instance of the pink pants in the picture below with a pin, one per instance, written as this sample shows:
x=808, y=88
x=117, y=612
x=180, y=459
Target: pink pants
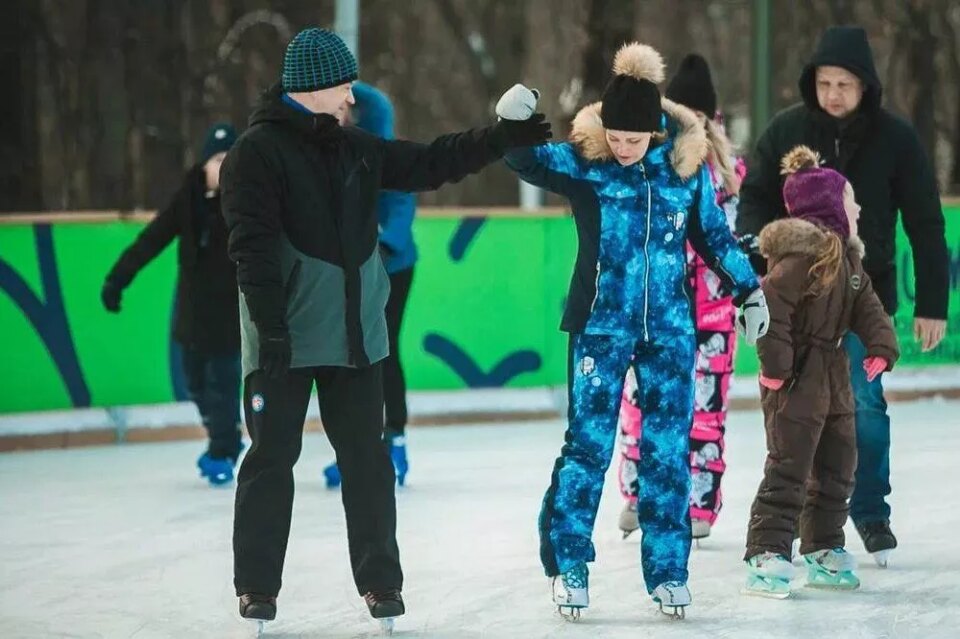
x=716, y=346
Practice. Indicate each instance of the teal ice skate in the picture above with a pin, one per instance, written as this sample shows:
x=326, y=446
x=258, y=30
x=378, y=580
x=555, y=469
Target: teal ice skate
x=831, y=569
x=570, y=592
x=768, y=575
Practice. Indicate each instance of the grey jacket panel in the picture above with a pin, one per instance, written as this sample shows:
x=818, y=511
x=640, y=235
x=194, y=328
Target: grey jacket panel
x=316, y=310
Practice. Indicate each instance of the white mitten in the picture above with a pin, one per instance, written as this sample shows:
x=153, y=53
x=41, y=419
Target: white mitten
x=753, y=318
x=518, y=103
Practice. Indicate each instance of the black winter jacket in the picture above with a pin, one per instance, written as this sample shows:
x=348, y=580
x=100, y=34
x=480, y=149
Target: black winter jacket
x=206, y=315
x=300, y=200
x=880, y=154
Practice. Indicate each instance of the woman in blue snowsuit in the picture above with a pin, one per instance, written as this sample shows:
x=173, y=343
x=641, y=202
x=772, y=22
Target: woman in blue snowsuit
x=639, y=188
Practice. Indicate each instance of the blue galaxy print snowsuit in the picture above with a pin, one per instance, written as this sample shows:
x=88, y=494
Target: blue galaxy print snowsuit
x=629, y=304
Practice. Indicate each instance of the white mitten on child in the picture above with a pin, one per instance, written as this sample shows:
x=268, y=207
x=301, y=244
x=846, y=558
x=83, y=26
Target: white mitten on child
x=518, y=103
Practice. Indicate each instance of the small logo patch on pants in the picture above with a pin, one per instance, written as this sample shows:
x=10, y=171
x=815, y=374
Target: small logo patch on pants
x=587, y=365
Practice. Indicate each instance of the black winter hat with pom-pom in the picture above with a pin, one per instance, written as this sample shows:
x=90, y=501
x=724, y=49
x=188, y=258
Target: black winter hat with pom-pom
x=631, y=100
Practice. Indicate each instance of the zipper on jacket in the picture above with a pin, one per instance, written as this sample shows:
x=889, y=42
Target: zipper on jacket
x=596, y=288
x=836, y=148
x=646, y=257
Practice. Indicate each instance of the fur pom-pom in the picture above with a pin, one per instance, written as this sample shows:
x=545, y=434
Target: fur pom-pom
x=641, y=61
x=799, y=158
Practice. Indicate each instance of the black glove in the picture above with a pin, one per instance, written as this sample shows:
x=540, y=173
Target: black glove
x=508, y=134
x=110, y=295
x=750, y=244
x=275, y=353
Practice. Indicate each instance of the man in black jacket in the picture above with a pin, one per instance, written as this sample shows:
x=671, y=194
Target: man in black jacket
x=207, y=323
x=880, y=154
x=300, y=200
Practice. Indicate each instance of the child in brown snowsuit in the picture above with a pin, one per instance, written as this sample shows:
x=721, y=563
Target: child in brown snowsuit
x=816, y=291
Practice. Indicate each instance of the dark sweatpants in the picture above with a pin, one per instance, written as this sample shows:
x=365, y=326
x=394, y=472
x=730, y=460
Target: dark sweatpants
x=351, y=405
x=811, y=458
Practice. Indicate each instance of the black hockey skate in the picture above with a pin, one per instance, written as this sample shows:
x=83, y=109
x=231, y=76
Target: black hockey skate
x=258, y=608
x=878, y=539
x=385, y=606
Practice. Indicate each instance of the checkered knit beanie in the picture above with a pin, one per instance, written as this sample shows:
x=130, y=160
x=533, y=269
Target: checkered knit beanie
x=317, y=59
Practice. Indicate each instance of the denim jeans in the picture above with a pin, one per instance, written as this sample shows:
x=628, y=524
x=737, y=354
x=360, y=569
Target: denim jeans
x=213, y=384
x=873, y=440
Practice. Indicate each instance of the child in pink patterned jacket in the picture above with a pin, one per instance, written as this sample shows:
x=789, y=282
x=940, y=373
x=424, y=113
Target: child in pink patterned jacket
x=716, y=337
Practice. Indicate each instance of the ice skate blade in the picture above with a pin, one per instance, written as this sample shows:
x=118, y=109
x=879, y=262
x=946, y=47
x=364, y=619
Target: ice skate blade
x=677, y=613
x=823, y=585
x=259, y=627
x=766, y=594
x=881, y=557
x=569, y=613
x=386, y=625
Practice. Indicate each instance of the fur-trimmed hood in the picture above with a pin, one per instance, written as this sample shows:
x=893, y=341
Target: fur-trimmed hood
x=689, y=142
x=793, y=236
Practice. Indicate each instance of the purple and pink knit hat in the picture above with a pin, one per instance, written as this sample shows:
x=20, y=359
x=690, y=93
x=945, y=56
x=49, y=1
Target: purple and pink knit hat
x=812, y=192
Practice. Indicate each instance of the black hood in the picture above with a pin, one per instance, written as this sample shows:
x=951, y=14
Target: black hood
x=270, y=107
x=848, y=48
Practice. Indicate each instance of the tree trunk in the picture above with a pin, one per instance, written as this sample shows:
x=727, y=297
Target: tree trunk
x=923, y=46
x=19, y=148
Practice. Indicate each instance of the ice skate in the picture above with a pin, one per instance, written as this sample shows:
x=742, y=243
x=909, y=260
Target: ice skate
x=699, y=529
x=878, y=539
x=259, y=609
x=570, y=592
x=673, y=598
x=769, y=575
x=217, y=471
x=397, y=445
x=831, y=569
x=628, y=519
x=385, y=606
x=331, y=475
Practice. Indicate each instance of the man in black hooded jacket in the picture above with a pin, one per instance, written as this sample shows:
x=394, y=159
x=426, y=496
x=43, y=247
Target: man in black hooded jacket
x=300, y=199
x=841, y=117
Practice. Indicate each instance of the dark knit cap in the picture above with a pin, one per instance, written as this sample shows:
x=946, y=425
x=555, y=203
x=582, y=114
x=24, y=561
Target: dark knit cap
x=317, y=59
x=692, y=86
x=631, y=104
x=219, y=138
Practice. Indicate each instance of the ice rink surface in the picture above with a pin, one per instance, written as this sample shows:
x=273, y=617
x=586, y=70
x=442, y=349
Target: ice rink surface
x=127, y=541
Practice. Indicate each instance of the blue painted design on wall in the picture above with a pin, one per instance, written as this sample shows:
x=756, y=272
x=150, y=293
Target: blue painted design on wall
x=514, y=364
x=48, y=317
x=464, y=235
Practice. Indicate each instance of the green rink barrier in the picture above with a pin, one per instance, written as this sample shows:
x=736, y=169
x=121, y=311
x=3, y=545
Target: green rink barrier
x=484, y=310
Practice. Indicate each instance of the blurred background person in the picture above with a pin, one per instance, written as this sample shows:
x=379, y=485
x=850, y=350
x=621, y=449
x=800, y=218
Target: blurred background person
x=373, y=112
x=206, y=323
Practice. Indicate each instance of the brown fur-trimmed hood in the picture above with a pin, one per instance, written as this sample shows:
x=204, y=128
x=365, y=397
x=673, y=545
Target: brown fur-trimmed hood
x=689, y=147
x=793, y=236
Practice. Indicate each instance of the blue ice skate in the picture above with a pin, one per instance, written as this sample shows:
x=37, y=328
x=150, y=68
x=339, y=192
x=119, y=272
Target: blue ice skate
x=217, y=471
x=831, y=569
x=397, y=445
x=768, y=575
x=331, y=474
